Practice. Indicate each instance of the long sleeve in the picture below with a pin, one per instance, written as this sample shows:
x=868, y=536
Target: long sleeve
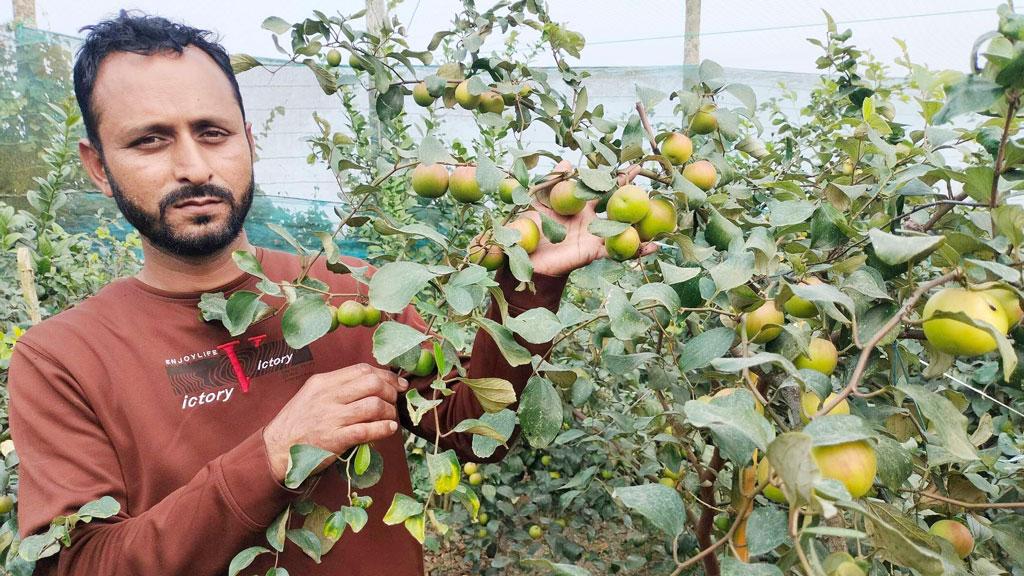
x=485, y=361
x=67, y=459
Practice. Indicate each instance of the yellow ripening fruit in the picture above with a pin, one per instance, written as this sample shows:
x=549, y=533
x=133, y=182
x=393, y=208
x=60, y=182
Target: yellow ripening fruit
x=563, y=200
x=630, y=203
x=677, y=148
x=430, y=180
x=529, y=233
x=464, y=98
x=660, y=219
x=821, y=356
x=1010, y=303
x=800, y=308
x=959, y=338
x=957, y=534
x=758, y=329
x=810, y=404
x=623, y=246
x=852, y=463
x=464, y=186
x=702, y=173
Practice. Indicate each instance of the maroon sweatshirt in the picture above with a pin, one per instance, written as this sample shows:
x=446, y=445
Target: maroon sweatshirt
x=131, y=395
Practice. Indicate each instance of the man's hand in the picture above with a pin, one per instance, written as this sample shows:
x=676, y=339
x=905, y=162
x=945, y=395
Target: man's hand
x=579, y=247
x=335, y=411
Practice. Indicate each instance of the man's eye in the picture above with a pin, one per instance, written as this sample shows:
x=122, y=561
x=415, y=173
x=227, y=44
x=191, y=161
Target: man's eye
x=214, y=133
x=147, y=140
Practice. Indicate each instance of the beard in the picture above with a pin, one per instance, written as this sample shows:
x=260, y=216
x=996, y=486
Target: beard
x=164, y=236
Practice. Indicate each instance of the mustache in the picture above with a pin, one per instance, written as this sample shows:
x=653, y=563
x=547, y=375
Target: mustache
x=192, y=192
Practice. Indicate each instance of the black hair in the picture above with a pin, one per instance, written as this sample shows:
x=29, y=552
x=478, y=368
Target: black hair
x=141, y=34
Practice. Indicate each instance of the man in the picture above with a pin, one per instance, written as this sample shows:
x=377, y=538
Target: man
x=131, y=395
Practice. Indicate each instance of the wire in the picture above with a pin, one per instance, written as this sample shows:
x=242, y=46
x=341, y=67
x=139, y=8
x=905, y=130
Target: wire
x=968, y=386
x=411, y=18
x=793, y=26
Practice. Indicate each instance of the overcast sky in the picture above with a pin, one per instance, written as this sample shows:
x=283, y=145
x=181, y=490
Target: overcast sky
x=761, y=34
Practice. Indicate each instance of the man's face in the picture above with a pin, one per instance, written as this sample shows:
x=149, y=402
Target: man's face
x=177, y=156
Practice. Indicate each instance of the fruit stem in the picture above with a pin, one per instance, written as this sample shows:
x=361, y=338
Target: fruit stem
x=969, y=505
x=869, y=346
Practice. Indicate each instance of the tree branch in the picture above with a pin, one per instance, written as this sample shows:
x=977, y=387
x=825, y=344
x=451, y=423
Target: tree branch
x=869, y=346
x=647, y=127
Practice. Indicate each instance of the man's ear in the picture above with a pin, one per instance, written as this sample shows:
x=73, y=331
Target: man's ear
x=94, y=166
x=252, y=141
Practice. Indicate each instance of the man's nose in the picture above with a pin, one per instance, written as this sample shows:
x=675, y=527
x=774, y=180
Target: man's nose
x=190, y=163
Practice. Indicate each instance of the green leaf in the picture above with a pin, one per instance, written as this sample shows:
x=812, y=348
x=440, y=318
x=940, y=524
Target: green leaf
x=894, y=250
x=390, y=104
x=488, y=176
x=511, y=350
x=302, y=460
x=597, y=179
x=416, y=526
x=445, y=472
x=900, y=540
x=553, y=568
x=277, y=26
x=242, y=62
x=738, y=364
x=978, y=182
x=972, y=94
x=355, y=517
x=431, y=151
x=402, y=507
x=503, y=422
x=104, y=507
x=244, y=558
x=1008, y=532
x=835, y=429
x=790, y=457
x=766, y=530
x=700, y=350
x=494, y=394
x=394, y=285
x=789, y=212
x=948, y=421
x=626, y=322
x=553, y=231
x=391, y=339
x=540, y=412
x=745, y=94
x=658, y=292
x=737, y=428
x=307, y=541
x=604, y=228
x=242, y=308
x=536, y=325
x=660, y=504
x=734, y=271
x=733, y=567
x=475, y=426
x=305, y=320
x=895, y=463
x=824, y=293
x=276, y=531
x=1009, y=221
x=672, y=274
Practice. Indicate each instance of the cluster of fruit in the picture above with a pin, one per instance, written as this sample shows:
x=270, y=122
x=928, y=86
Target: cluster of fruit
x=488, y=101
x=352, y=313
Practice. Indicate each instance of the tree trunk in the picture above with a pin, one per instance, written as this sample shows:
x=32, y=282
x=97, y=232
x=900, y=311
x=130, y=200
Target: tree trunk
x=691, y=43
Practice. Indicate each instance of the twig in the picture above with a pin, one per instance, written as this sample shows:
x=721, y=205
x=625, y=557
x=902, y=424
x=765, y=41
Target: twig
x=1011, y=111
x=943, y=209
x=971, y=505
x=647, y=127
x=869, y=346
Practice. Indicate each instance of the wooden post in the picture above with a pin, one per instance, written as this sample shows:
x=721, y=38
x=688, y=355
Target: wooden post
x=28, y=284
x=691, y=43
x=24, y=12
x=376, y=16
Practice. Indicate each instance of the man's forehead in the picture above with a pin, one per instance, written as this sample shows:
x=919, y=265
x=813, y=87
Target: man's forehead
x=133, y=89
